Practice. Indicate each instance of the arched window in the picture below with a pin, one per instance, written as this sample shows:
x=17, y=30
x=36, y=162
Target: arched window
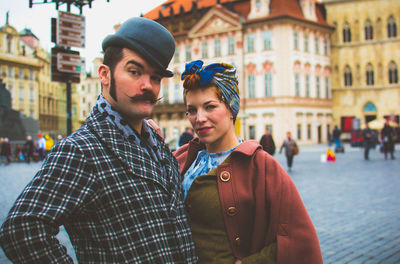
x=369, y=30
x=391, y=27
x=370, y=74
x=348, y=78
x=393, y=77
x=346, y=32
x=369, y=107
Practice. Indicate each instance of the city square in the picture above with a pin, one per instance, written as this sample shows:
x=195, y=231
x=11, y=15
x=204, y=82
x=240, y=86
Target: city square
x=354, y=204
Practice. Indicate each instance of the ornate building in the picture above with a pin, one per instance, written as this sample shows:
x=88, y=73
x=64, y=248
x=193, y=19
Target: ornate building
x=25, y=69
x=365, y=61
x=281, y=49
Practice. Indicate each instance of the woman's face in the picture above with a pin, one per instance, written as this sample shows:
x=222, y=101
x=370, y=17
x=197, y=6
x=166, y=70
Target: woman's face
x=210, y=118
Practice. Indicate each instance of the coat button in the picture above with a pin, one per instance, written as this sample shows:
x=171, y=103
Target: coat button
x=231, y=211
x=225, y=176
x=237, y=241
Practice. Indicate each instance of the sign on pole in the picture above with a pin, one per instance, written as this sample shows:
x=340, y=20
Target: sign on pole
x=69, y=62
x=65, y=65
x=70, y=30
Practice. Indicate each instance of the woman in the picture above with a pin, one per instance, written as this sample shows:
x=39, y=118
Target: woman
x=290, y=145
x=243, y=206
x=387, y=139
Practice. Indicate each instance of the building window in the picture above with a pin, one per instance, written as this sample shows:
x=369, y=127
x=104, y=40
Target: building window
x=391, y=27
x=88, y=88
x=177, y=93
x=10, y=72
x=30, y=75
x=370, y=74
x=204, y=49
x=188, y=52
x=267, y=40
x=393, y=77
x=326, y=51
x=252, y=86
x=258, y=4
x=346, y=32
x=296, y=40
x=306, y=42
x=21, y=93
x=307, y=85
x=369, y=30
x=21, y=73
x=316, y=45
x=348, y=78
x=217, y=48
x=231, y=45
x=318, y=80
x=268, y=84
x=327, y=88
x=308, y=131
x=31, y=94
x=252, y=132
x=165, y=95
x=297, y=83
x=250, y=42
x=298, y=131
x=176, y=55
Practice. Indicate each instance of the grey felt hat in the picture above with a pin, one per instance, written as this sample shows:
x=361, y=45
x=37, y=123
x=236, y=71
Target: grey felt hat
x=147, y=37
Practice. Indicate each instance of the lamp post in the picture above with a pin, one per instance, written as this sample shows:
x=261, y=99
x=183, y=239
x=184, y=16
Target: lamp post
x=60, y=73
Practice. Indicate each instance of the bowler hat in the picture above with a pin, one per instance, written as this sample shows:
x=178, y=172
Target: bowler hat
x=147, y=37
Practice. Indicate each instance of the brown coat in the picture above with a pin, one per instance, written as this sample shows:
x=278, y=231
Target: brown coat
x=260, y=204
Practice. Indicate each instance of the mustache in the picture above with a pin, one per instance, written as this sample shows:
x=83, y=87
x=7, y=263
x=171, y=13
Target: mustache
x=146, y=96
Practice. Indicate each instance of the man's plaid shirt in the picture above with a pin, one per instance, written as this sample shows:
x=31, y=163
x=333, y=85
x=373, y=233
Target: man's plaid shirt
x=112, y=199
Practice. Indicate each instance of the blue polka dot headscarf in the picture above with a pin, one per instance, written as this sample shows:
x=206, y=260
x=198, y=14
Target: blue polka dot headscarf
x=223, y=75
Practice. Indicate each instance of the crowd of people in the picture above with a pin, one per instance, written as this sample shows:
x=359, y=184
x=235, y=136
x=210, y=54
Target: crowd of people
x=28, y=151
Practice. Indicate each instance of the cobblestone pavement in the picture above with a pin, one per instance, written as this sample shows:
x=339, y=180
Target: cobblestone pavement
x=354, y=204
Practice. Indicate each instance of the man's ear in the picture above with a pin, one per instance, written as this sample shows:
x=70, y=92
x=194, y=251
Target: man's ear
x=104, y=75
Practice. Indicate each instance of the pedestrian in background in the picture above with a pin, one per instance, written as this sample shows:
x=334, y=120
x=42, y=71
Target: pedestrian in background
x=387, y=134
x=186, y=136
x=291, y=149
x=41, y=145
x=113, y=183
x=49, y=144
x=6, y=151
x=28, y=147
x=267, y=142
x=336, y=139
x=368, y=138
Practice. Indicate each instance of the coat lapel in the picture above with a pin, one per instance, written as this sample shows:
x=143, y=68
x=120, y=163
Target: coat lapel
x=127, y=152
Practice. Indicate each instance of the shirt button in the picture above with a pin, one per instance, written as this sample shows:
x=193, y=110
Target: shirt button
x=231, y=211
x=225, y=176
x=237, y=241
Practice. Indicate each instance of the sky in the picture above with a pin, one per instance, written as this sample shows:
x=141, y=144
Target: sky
x=100, y=20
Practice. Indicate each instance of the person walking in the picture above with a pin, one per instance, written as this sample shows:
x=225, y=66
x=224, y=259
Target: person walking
x=6, y=151
x=336, y=139
x=186, y=136
x=28, y=147
x=368, y=137
x=113, y=183
x=387, y=134
x=290, y=146
x=267, y=142
x=237, y=196
x=49, y=144
x=41, y=145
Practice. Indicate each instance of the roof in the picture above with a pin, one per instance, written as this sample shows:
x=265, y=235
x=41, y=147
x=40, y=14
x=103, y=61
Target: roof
x=279, y=8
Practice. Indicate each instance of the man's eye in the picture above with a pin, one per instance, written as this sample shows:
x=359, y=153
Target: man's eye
x=134, y=72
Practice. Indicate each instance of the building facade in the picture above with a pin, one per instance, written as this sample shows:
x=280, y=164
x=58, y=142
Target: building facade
x=365, y=61
x=281, y=49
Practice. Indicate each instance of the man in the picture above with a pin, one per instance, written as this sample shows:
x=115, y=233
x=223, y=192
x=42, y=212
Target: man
x=186, y=136
x=290, y=145
x=28, y=147
x=336, y=138
x=368, y=136
x=113, y=183
x=41, y=145
x=267, y=142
